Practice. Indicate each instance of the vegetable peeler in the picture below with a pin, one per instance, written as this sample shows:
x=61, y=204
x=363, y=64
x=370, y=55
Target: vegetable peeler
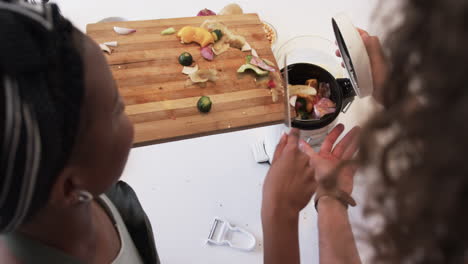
x=223, y=233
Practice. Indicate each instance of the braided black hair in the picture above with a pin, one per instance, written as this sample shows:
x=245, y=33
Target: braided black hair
x=47, y=70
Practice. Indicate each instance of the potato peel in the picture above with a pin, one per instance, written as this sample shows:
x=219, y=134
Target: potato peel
x=189, y=70
x=105, y=48
x=111, y=44
x=221, y=46
x=233, y=40
x=202, y=76
x=302, y=89
x=124, y=31
x=246, y=47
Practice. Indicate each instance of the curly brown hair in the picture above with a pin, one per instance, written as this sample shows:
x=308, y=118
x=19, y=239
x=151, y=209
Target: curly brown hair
x=419, y=141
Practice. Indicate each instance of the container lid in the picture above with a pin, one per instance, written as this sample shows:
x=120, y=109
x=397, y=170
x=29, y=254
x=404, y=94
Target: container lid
x=354, y=54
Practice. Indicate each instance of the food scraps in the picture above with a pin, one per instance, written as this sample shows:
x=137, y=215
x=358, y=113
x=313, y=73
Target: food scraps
x=217, y=34
x=312, y=100
x=189, y=34
x=111, y=43
x=124, y=31
x=260, y=63
x=226, y=40
x=206, y=12
x=207, y=52
x=168, y=31
x=254, y=68
x=105, y=48
x=231, y=9
x=204, y=75
x=189, y=70
x=246, y=47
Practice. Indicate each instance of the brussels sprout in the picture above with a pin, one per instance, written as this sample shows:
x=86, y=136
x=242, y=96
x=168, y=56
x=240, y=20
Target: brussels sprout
x=217, y=34
x=185, y=59
x=204, y=104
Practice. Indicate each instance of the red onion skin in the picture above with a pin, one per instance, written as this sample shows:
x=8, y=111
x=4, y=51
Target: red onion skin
x=207, y=53
x=206, y=12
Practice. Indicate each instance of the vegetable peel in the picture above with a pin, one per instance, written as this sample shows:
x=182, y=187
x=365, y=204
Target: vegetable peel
x=246, y=47
x=202, y=76
x=124, y=31
x=168, y=31
x=206, y=12
x=292, y=100
x=269, y=62
x=220, y=47
x=105, y=48
x=254, y=68
x=189, y=70
x=233, y=40
x=260, y=63
x=111, y=43
x=301, y=89
x=254, y=53
x=324, y=107
x=231, y=9
x=207, y=52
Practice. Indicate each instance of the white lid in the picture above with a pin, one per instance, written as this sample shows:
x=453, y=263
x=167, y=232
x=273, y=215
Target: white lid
x=354, y=54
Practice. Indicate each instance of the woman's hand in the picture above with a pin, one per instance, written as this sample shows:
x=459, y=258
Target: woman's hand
x=329, y=157
x=288, y=188
x=378, y=62
x=290, y=183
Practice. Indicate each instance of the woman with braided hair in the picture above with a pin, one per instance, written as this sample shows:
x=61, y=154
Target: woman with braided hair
x=64, y=140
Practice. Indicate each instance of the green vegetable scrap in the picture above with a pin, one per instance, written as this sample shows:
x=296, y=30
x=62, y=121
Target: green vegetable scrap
x=168, y=31
x=254, y=68
x=217, y=34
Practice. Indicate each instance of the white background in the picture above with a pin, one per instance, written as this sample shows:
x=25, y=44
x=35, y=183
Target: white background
x=183, y=185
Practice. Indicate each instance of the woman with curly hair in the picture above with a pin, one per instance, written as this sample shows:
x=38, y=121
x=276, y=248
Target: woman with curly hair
x=413, y=154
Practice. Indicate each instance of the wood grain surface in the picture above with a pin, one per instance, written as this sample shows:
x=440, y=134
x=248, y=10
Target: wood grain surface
x=159, y=100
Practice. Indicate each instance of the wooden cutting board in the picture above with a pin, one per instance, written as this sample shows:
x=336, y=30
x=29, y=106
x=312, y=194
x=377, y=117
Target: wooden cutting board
x=160, y=102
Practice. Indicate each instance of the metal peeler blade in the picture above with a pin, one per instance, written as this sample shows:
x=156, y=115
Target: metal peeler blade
x=287, y=109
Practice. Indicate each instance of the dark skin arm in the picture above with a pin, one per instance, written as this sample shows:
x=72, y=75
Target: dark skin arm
x=336, y=240
x=288, y=188
x=280, y=231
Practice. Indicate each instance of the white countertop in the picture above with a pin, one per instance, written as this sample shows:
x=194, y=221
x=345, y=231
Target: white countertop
x=183, y=185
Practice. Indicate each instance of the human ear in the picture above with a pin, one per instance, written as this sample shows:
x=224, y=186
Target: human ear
x=63, y=192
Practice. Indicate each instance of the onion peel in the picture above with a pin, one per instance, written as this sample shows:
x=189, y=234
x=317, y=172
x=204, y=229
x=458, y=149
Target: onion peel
x=124, y=31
